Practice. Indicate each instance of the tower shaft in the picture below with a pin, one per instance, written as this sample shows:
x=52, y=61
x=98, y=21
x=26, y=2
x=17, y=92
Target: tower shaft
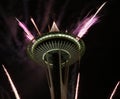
x=57, y=76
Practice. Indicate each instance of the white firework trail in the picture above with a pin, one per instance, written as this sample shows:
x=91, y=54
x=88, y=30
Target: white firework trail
x=35, y=26
x=111, y=96
x=77, y=86
x=11, y=83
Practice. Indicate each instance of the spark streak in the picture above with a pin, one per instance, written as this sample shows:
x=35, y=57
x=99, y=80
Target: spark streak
x=77, y=86
x=114, y=90
x=35, y=26
x=88, y=23
x=11, y=83
x=28, y=33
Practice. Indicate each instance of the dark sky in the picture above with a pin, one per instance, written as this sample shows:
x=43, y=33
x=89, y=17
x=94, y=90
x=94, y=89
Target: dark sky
x=98, y=72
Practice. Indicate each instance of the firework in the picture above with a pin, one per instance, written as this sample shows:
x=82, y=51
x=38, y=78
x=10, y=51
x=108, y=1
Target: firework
x=28, y=33
x=11, y=83
x=111, y=96
x=88, y=22
x=77, y=86
x=35, y=26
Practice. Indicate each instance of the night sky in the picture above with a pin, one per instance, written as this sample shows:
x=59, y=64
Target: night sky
x=98, y=74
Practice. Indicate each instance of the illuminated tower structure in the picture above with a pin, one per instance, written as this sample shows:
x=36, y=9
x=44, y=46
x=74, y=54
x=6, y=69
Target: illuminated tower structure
x=58, y=52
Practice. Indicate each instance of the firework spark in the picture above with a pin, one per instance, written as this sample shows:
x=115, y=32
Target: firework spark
x=77, y=86
x=35, y=26
x=111, y=97
x=88, y=22
x=11, y=83
x=28, y=33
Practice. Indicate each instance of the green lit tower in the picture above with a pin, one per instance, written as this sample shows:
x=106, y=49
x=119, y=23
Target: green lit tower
x=57, y=51
x=60, y=53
